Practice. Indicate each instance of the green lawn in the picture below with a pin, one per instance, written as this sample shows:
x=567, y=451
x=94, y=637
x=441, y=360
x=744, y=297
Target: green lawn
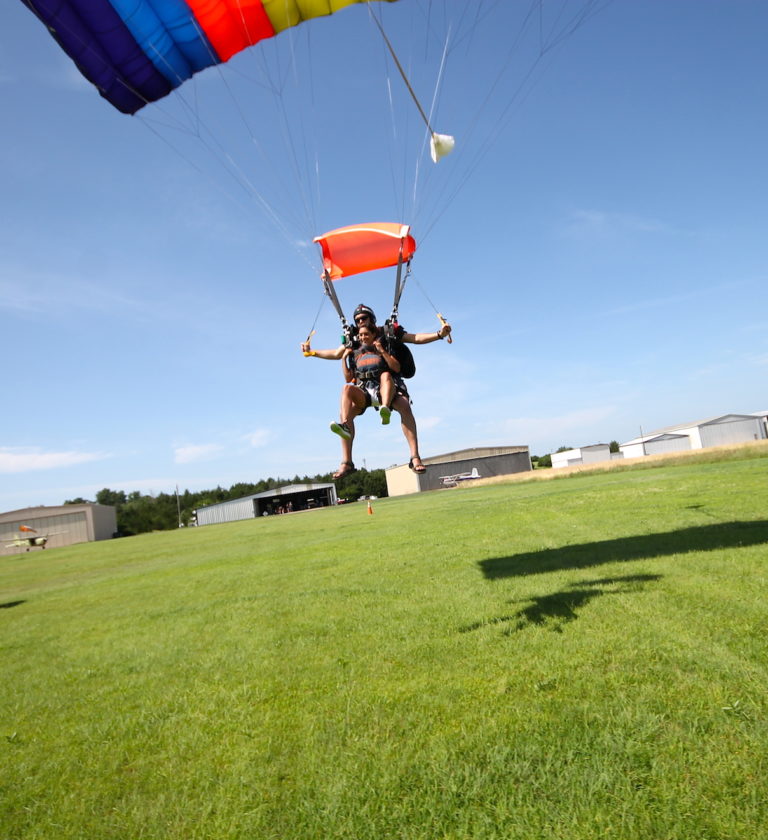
x=579, y=659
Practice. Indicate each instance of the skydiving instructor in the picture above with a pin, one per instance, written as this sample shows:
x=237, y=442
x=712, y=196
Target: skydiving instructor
x=354, y=400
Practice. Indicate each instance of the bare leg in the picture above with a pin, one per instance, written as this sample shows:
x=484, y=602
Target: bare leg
x=387, y=389
x=352, y=404
x=408, y=425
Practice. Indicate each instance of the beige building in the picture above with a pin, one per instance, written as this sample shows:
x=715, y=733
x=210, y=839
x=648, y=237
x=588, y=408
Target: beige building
x=35, y=528
x=453, y=468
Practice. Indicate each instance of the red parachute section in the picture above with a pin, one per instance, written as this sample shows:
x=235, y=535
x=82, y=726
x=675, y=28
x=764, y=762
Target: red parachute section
x=366, y=247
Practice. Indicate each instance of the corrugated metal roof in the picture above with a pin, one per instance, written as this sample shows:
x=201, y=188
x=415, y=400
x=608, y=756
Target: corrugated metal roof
x=658, y=433
x=652, y=437
x=474, y=452
x=277, y=491
x=705, y=422
x=44, y=510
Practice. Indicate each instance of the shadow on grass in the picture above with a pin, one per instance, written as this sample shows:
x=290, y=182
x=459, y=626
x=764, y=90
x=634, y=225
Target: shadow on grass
x=559, y=608
x=8, y=604
x=584, y=555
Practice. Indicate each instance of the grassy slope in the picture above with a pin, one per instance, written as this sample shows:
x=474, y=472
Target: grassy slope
x=579, y=658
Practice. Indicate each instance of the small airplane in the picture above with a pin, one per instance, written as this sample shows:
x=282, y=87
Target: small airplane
x=453, y=480
x=31, y=539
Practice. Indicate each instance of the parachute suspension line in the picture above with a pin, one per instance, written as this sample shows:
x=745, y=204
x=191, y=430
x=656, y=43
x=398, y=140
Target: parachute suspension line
x=405, y=185
x=239, y=177
x=437, y=311
x=197, y=128
x=435, y=95
x=554, y=38
x=397, y=169
x=305, y=175
x=428, y=299
x=317, y=315
x=398, y=164
x=449, y=191
x=443, y=201
x=439, y=80
x=276, y=90
x=301, y=216
x=400, y=69
x=314, y=191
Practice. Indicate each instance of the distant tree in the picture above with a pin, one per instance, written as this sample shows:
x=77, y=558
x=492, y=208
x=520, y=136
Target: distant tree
x=613, y=446
x=78, y=501
x=238, y=491
x=563, y=448
x=375, y=484
x=136, y=515
x=113, y=498
x=165, y=513
x=545, y=461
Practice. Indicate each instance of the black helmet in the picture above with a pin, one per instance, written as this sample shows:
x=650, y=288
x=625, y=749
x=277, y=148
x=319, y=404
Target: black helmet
x=362, y=309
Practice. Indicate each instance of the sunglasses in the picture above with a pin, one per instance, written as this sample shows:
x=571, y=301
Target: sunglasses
x=361, y=318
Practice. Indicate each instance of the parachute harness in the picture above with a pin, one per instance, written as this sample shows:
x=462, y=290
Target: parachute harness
x=390, y=325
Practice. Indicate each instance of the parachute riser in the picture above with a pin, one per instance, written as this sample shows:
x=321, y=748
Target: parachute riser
x=400, y=282
x=331, y=292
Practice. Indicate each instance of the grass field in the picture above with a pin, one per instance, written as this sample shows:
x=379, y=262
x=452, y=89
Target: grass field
x=578, y=659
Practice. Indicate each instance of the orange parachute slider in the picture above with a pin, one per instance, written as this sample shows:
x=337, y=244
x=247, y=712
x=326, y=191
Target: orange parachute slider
x=358, y=248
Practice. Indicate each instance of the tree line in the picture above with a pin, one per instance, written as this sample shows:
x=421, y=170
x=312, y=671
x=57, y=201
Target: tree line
x=138, y=513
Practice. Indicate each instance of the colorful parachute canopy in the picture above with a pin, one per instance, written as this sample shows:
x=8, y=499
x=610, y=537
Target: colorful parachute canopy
x=137, y=51
x=358, y=248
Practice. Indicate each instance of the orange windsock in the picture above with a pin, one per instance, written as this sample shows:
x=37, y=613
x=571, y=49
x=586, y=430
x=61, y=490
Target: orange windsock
x=29, y=530
x=370, y=509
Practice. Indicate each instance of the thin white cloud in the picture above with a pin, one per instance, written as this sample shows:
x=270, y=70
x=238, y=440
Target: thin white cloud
x=189, y=454
x=601, y=223
x=258, y=437
x=668, y=301
x=56, y=294
x=760, y=359
x=425, y=423
x=18, y=460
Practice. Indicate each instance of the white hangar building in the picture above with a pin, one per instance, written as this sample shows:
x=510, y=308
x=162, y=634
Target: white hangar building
x=455, y=467
x=55, y=526
x=582, y=455
x=291, y=498
x=715, y=431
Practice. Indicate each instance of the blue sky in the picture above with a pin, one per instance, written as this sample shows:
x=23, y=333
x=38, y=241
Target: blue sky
x=597, y=241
